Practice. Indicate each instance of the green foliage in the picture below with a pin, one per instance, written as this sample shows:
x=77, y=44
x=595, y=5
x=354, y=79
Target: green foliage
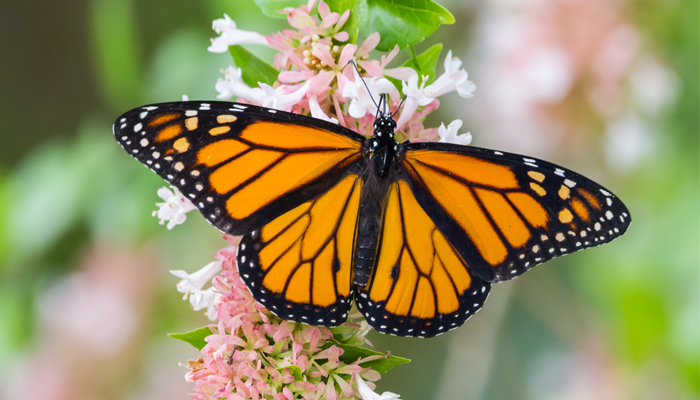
x=358, y=11
x=404, y=22
x=271, y=7
x=426, y=62
x=195, y=337
x=254, y=69
x=381, y=365
x=295, y=370
x=116, y=48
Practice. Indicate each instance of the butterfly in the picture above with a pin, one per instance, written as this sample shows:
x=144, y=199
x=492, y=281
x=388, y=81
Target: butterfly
x=414, y=233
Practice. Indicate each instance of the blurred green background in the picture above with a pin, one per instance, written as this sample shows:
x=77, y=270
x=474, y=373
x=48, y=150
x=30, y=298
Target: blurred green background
x=609, y=89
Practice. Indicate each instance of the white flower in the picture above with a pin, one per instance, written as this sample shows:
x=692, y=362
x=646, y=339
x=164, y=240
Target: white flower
x=450, y=135
x=317, y=112
x=175, y=207
x=281, y=98
x=368, y=394
x=191, y=285
x=231, y=36
x=362, y=102
x=231, y=84
x=452, y=79
x=415, y=96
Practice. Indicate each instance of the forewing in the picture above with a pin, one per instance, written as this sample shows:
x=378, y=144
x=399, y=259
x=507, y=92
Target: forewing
x=299, y=265
x=241, y=165
x=420, y=285
x=506, y=213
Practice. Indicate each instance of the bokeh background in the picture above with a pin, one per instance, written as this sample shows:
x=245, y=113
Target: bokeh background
x=607, y=88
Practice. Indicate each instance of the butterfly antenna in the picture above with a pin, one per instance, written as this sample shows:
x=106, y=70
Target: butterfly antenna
x=400, y=104
x=363, y=81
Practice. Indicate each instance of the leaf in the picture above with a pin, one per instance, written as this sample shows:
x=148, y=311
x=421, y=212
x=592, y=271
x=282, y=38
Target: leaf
x=424, y=64
x=381, y=365
x=404, y=22
x=254, y=69
x=195, y=337
x=270, y=7
x=295, y=370
x=358, y=11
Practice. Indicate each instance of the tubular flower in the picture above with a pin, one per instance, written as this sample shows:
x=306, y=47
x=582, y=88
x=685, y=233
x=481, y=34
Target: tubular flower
x=175, y=207
x=231, y=36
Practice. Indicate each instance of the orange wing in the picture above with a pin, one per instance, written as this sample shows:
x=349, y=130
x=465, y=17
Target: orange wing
x=420, y=286
x=506, y=213
x=299, y=265
x=241, y=165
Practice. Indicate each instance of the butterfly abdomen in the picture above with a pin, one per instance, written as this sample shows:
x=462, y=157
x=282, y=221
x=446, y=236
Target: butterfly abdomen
x=373, y=199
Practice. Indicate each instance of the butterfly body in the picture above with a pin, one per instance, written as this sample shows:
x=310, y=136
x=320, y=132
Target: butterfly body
x=414, y=233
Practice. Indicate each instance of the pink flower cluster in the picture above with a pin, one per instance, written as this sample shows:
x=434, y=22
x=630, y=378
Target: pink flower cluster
x=316, y=79
x=253, y=354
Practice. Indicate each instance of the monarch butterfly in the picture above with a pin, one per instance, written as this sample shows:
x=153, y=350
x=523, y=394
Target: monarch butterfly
x=415, y=233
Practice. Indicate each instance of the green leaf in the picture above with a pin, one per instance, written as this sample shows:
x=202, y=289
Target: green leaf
x=358, y=10
x=425, y=63
x=295, y=370
x=404, y=22
x=195, y=337
x=254, y=69
x=381, y=365
x=270, y=7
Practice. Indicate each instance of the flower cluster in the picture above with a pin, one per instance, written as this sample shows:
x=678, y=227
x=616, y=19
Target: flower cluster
x=316, y=77
x=253, y=354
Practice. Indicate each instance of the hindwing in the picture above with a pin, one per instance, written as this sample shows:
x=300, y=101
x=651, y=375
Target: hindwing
x=299, y=266
x=420, y=285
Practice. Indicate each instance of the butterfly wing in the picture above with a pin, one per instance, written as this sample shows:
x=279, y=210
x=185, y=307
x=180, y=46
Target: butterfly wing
x=241, y=165
x=506, y=213
x=420, y=285
x=299, y=265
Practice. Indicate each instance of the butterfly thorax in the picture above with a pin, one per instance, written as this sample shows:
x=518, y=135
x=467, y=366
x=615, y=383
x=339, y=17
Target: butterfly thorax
x=382, y=145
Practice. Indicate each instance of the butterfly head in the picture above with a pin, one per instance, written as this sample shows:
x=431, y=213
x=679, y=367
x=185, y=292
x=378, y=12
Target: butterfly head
x=383, y=145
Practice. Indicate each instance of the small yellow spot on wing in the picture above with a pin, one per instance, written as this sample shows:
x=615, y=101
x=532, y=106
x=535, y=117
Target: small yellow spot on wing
x=565, y=216
x=564, y=192
x=219, y=130
x=181, y=145
x=538, y=189
x=538, y=176
x=191, y=123
x=225, y=118
x=559, y=237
